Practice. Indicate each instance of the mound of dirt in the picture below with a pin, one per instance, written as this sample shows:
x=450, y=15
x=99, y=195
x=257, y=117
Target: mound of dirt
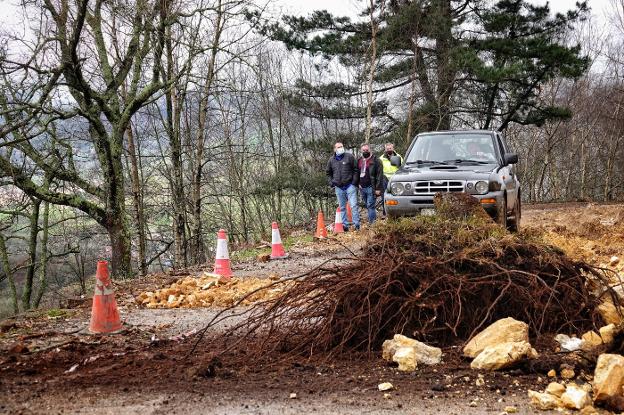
x=592, y=233
x=439, y=279
x=208, y=291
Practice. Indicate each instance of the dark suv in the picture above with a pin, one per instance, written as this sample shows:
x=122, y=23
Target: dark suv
x=473, y=161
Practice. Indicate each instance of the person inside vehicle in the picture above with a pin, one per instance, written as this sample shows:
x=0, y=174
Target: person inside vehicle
x=477, y=151
x=474, y=150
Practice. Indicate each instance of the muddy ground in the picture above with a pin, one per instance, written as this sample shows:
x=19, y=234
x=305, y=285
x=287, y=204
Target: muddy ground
x=50, y=364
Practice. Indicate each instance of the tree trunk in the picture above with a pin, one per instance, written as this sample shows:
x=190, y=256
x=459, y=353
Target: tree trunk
x=540, y=197
x=607, y=181
x=372, y=67
x=445, y=71
x=243, y=206
x=489, y=112
x=412, y=100
x=198, y=249
x=32, y=253
x=176, y=180
x=177, y=192
x=4, y=258
x=117, y=221
x=137, y=201
x=43, y=256
x=121, y=249
x=583, y=172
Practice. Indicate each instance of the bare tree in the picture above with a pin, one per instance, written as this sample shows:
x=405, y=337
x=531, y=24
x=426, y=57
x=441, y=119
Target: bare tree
x=77, y=43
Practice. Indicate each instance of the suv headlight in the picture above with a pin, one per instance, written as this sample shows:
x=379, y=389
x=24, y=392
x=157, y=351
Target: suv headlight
x=397, y=189
x=482, y=187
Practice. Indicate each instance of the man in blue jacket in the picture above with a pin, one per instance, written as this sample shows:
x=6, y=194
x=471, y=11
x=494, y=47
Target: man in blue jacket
x=343, y=175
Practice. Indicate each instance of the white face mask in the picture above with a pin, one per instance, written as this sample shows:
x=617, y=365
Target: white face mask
x=340, y=151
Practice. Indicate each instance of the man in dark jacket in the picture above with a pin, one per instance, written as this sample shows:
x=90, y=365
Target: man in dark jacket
x=371, y=182
x=343, y=175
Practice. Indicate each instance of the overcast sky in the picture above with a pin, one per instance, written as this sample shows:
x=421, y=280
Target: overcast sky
x=10, y=13
x=351, y=7
x=342, y=7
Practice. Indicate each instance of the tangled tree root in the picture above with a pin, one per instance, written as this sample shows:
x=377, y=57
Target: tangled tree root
x=439, y=279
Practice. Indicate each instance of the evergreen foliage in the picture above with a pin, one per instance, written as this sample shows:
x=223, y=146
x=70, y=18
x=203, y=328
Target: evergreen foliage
x=480, y=63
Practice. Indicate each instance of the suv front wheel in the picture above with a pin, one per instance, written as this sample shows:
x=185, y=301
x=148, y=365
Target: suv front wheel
x=513, y=224
x=501, y=213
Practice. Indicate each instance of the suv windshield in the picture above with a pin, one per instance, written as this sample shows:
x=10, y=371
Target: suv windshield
x=453, y=148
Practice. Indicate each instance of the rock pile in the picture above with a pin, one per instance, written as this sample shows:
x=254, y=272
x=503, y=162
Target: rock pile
x=500, y=346
x=588, y=341
x=207, y=291
x=606, y=389
x=559, y=396
x=501, y=331
x=505, y=343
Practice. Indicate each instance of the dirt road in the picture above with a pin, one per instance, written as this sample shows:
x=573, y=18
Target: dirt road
x=48, y=364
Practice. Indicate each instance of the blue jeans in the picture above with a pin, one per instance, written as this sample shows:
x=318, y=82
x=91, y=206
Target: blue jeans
x=351, y=195
x=368, y=197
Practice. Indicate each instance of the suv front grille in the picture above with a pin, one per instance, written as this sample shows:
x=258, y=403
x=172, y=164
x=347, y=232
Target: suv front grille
x=435, y=186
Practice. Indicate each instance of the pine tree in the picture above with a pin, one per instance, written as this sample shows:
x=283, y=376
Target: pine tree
x=520, y=47
x=440, y=61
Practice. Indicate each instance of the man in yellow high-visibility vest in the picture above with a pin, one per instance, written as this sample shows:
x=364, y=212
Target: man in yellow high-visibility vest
x=388, y=169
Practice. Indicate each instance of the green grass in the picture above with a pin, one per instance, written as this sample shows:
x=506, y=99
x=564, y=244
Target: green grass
x=6, y=310
x=305, y=239
x=242, y=255
x=55, y=313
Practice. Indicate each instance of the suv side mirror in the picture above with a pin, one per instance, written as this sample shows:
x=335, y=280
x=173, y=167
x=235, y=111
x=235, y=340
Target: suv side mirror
x=395, y=161
x=510, y=158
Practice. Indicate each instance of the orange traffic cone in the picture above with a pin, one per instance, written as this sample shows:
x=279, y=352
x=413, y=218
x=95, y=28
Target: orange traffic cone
x=338, y=226
x=277, y=248
x=349, y=214
x=222, y=259
x=321, y=231
x=104, y=314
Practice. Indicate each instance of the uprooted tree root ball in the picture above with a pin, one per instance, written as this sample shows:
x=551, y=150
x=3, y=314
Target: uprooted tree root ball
x=438, y=279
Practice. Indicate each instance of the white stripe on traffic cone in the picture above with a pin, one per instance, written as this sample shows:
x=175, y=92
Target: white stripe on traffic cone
x=222, y=258
x=338, y=226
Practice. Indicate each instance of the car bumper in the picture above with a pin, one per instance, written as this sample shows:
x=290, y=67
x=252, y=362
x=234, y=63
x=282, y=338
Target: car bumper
x=413, y=205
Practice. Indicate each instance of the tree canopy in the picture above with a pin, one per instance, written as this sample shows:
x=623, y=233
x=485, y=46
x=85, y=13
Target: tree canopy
x=461, y=63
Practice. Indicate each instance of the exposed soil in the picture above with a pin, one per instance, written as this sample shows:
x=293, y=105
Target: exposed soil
x=590, y=232
x=130, y=373
x=145, y=369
